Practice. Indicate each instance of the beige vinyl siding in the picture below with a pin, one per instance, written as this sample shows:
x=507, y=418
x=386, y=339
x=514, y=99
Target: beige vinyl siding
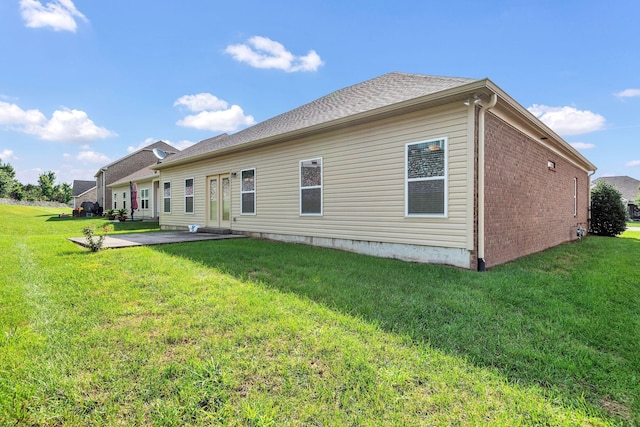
x=139, y=213
x=363, y=183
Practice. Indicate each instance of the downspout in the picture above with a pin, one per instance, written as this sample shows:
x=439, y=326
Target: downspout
x=589, y=199
x=104, y=190
x=481, y=235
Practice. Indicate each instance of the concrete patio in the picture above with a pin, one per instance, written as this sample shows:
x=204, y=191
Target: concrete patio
x=154, y=238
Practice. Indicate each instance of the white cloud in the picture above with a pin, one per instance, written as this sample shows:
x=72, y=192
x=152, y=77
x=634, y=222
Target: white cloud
x=201, y=102
x=633, y=163
x=582, y=145
x=58, y=14
x=213, y=114
x=30, y=176
x=64, y=125
x=181, y=145
x=13, y=115
x=71, y=125
x=628, y=93
x=146, y=142
x=93, y=157
x=7, y=156
x=568, y=120
x=262, y=52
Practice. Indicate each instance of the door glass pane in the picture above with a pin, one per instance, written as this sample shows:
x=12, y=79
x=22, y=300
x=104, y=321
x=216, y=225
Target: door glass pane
x=226, y=202
x=213, y=199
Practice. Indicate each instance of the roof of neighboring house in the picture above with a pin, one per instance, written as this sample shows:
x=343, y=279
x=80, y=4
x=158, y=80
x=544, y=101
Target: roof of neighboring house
x=379, y=97
x=80, y=187
x=626, y=185
x=140, y=175
x=158, y=144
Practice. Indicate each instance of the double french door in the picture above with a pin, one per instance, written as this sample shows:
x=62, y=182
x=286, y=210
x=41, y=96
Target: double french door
x=219, y=189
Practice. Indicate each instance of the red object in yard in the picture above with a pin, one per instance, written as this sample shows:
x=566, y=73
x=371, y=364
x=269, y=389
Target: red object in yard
x=134, y=196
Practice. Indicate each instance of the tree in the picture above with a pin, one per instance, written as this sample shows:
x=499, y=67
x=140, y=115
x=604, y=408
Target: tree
x=8, y=182
x=608, y=213
x=46, y=182
x=31, y=193
x=63, y=193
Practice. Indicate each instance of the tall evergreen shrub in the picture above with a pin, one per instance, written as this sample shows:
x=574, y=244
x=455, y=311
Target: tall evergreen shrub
x=608, y=213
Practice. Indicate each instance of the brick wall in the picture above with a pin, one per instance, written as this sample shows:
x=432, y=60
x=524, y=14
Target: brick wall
x=528, y=207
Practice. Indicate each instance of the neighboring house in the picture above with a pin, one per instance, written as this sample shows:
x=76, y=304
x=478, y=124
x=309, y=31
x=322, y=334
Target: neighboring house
x=83, y=191
x=123, y=167
x=629, y=189
x=420, y=168
x=148, y=192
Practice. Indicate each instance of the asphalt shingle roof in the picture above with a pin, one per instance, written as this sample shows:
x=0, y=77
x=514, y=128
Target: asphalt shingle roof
x=381, y=91
x=626, y=185
x=80, y=187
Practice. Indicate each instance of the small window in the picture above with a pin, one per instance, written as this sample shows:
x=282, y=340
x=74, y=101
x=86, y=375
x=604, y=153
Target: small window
x=248, y=192
x=166, y=197
x=426, y=178
x=551, y=165
x=144, y=198
x=575, y=196
x=115, y=200
x=311, y=187
x=188, y=195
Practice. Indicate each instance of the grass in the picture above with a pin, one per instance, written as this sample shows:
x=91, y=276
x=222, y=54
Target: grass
x=257, y=333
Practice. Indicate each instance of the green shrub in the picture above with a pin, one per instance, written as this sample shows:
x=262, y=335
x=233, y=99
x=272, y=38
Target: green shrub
x=608, y=213
x=94, y=242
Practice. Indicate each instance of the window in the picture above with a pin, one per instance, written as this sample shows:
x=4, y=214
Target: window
x=144, y=198
x=575, y=196
x=426, y=178
x=188, y=195
x=311, y=187
x=248, y=192
x=166, y=197
x=551, y=165
x=124, y=200
x=115, y=200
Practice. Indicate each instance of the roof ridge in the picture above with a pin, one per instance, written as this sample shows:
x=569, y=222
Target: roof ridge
x=377, y=92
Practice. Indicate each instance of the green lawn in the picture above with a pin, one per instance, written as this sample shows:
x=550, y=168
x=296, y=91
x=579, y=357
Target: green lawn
x=257, y=333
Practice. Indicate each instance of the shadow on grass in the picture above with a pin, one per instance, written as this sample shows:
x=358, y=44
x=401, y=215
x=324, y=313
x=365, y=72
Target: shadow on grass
x=565, y=319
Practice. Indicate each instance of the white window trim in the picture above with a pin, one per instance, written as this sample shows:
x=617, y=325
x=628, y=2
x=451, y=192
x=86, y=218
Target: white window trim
x=242, y=192
x=163, y=197
x=445, y=177
x=193, y=196
x=142, y=199
x=311, y=187
x=575, y=196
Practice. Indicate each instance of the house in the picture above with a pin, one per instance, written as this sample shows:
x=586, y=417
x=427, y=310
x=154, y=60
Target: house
x=123, y=167
x=629, y=188
x=420, y=168
x=148, y=192
x=83, y=191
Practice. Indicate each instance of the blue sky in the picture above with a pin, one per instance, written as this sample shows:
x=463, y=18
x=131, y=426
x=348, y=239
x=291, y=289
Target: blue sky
x=85, y=82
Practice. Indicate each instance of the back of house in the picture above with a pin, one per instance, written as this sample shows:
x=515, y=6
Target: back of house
x=420, y=168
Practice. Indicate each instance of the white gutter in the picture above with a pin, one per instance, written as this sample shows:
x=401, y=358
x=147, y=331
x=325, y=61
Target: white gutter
x=483, y=109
